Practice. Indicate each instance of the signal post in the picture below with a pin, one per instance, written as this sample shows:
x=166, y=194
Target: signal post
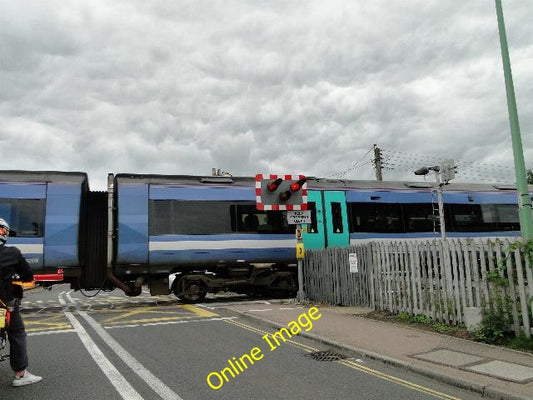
x=286, y=193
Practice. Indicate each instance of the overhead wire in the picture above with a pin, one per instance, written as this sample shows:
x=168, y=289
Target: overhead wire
x=402, y=161
x=342, y=174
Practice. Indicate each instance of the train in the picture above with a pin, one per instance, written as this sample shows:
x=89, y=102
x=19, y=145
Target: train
x=208, y=233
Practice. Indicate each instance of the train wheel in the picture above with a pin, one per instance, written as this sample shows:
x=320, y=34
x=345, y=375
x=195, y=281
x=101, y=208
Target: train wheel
x=282, y=288
x=190, y=291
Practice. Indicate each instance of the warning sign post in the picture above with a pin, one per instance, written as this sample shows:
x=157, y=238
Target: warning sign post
x=286, y=193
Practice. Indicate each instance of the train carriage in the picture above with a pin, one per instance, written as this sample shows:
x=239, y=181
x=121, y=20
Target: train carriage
x=193, y=224
x=344, y=212
x=43, y=210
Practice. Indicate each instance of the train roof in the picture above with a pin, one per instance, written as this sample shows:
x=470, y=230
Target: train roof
x=312, y=183
x=43, y=177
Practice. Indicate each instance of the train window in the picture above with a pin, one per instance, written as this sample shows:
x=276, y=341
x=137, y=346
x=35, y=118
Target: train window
x=25, y=216
x=376, y=217
x=508, y=218
x=336, y=217
x=250, y=219
x=313, y=226
x=419, y=217
x=473, y=218
x=484, y=217
x=179, y=217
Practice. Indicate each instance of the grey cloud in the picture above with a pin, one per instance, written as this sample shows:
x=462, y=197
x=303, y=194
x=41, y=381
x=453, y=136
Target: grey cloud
x=246, y=86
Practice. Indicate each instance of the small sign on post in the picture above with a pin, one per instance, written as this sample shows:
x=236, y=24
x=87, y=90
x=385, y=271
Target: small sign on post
x=352, y=259
x=298, y=217
x=300, y=251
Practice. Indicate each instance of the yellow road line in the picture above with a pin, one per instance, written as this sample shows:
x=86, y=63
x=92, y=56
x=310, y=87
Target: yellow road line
x=135, y=312
x=198, y=312
x=251, y=328
x=399, y=381
x=46, y=324
x=147, y=320
x=50, y=328
x=354, y=365
x=201, y=312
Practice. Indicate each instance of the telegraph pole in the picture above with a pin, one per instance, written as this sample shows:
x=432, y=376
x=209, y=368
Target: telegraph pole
x=524, y=201
x=377, y=163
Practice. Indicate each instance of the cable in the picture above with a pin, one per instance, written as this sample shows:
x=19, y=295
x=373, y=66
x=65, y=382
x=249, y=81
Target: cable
x=339, y=175
x=101, y=288
x=403, y=161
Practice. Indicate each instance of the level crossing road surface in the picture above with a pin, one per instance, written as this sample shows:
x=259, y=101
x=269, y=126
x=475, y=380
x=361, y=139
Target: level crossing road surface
x=116, y=347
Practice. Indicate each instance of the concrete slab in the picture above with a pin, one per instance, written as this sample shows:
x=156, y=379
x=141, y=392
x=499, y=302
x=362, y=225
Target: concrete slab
x=504, y=370
x=449, y=357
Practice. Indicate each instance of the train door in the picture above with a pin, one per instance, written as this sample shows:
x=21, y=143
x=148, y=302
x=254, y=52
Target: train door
x=315, y=238
x=336, y=219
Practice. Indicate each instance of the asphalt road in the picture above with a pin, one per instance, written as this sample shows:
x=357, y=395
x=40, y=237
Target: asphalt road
x=114, y=347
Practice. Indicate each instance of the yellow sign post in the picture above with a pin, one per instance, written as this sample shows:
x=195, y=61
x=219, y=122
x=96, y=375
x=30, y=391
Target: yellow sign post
x=300, y=251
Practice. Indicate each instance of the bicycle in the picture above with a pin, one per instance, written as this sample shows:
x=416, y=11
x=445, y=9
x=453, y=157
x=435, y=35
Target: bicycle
x=5, y=314
x=4, y=323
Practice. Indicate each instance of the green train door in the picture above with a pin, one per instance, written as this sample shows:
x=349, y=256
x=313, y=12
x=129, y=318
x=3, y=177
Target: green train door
x=336, y=219
x=314, y=237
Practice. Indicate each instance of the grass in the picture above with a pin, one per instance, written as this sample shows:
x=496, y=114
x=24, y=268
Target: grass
x=425, y=323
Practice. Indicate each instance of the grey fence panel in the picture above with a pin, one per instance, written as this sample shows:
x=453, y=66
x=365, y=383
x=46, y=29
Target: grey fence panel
x=436, y=278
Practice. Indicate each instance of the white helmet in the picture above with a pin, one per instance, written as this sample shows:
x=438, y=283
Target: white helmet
x=4, y=230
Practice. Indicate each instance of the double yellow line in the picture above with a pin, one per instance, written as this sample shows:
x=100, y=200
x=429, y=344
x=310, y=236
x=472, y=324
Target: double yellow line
x=356, y=366
x=259, y=331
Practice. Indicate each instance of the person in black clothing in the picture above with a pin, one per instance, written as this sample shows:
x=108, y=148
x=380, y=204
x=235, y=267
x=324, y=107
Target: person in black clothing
x=13, y=263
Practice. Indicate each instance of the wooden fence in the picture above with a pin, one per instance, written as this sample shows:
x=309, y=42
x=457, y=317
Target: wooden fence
x=436, y=278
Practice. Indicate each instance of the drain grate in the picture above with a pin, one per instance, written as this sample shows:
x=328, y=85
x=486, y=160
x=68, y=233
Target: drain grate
x=325, y=355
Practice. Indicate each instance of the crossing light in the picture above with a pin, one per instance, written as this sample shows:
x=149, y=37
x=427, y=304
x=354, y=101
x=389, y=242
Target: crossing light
x=284, y=196
x=273, y=186
x=283, y=192
x=298, y=185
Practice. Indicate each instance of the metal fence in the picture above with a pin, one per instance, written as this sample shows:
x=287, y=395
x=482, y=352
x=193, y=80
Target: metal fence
x=436, y=278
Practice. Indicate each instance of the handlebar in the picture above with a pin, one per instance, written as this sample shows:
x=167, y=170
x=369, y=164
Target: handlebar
x=15, y=280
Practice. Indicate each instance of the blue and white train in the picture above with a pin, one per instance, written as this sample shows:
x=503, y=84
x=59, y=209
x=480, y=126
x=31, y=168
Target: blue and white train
x=209, y=231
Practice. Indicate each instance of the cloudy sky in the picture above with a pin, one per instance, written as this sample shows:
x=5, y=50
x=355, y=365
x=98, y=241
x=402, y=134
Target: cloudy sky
x=281, y=86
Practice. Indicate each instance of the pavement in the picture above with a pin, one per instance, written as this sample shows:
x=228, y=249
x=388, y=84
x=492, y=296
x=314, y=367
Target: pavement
x=492, y=371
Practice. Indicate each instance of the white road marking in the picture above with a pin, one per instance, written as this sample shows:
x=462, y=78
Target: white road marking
x=266, y=309
x=50, y=332
x=157, y=385
x=69, y=297
x=115, y=377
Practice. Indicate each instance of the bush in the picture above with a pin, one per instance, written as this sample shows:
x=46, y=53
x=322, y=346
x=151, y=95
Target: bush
x=492, y=329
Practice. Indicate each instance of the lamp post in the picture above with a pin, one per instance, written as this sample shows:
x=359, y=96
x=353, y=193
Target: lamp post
x=443, y=174
x=524, y=201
